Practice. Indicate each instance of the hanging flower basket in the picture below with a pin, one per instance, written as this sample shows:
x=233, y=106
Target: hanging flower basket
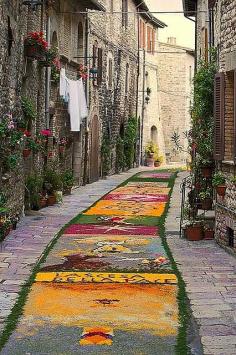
x=35, y=46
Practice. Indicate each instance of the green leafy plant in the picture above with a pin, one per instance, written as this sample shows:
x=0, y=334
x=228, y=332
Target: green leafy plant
x=11, y=162
x=31, y=144
x=130, y=137
x=52, y=180
x=34, y=187
x=152, y=150
x=120, y=156
x=106, y=155
x=67, y=179
x=205, y=194
x=28, y=109
x=218, y=179
x=233, y=180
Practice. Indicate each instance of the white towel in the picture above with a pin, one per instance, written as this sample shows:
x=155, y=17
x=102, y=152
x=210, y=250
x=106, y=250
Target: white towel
x=82, y=100
x=74, y=109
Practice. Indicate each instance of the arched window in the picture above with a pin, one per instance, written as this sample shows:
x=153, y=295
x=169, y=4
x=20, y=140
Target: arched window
x=54, y=40
x=80, y=42
x=154, y=134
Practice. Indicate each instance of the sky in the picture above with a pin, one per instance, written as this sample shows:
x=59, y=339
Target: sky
x=178, y=25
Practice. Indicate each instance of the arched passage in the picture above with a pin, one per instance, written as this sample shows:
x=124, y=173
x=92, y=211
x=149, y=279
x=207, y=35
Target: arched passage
x=94, y=150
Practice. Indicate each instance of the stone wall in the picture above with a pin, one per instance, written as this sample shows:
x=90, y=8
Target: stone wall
x=176, y=70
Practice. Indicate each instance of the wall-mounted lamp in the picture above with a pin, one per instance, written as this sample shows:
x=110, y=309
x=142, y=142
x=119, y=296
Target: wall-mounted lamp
x=33, y=3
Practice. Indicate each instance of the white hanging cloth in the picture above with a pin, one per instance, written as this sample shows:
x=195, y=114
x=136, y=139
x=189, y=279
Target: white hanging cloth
x=73, y=92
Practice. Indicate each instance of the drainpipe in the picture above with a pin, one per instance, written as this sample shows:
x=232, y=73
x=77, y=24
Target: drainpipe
x=47, y=76
x=143, y=106
x=87, y=62
x=137, y=93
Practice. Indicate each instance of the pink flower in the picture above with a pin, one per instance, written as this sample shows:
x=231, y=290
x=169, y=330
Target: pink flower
x=46, y=133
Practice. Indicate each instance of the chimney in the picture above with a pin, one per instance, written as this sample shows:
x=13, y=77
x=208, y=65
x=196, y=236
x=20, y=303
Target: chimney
x=171, y=40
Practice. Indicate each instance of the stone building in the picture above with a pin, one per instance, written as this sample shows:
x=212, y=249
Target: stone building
x=222, y=35
x=19, y=77
x=113, y=95
x=148, y=95
x=176, y=70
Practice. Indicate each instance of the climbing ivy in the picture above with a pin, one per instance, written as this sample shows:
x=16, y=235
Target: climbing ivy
x=106, y=155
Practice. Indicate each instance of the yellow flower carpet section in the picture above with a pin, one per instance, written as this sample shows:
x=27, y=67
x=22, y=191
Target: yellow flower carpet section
x=127, y=208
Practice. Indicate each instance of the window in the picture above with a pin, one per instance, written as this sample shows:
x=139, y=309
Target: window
x=125, y=13
x=80, y=42
x=95, y=61
x=110, y=73
x=100, y=71
x=127, y=79
x=154, y=134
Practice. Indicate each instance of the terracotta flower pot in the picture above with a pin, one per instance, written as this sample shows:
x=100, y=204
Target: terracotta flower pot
x=43, y=202
x=221, y=189
x=207, y=204
x=26, y=153
x=51, y=200
x=194, y=233
x=33, y=52
x=150, y=162
x=198, y=186
x=157, y=164
x=209, y=234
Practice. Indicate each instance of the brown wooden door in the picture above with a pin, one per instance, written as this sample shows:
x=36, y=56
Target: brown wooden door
x=94, y=151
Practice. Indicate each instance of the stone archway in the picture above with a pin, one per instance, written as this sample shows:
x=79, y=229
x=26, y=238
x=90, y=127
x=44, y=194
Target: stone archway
x=154, y=136
x=94, y=150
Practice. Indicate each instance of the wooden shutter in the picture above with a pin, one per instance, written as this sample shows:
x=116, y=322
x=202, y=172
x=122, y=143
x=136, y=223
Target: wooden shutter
x=153, y=41
x=235, y=116
x=140, y=34
x=148, y=39
x=219, y=116
x=99, y=77
x=144, y=35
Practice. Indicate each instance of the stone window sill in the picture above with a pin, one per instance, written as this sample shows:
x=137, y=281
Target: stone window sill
x=228, y=162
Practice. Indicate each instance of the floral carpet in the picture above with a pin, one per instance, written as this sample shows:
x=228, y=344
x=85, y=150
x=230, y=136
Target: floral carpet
x=107, y=286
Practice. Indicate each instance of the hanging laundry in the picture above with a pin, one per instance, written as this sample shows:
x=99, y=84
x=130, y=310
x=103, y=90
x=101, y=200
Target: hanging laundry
x=64, y=85
x=72, y=91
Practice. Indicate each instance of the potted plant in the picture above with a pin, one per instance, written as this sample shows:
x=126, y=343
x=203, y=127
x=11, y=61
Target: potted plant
x=150, y=151
x=194, y=230
x=218, y=182
x=35, y=46
x=209, y=233
x=158, y=161
x=34, y=187
x=206, y=167
x=206, y=199
x=68, y=181
x=53, y=185
x=50, y=56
